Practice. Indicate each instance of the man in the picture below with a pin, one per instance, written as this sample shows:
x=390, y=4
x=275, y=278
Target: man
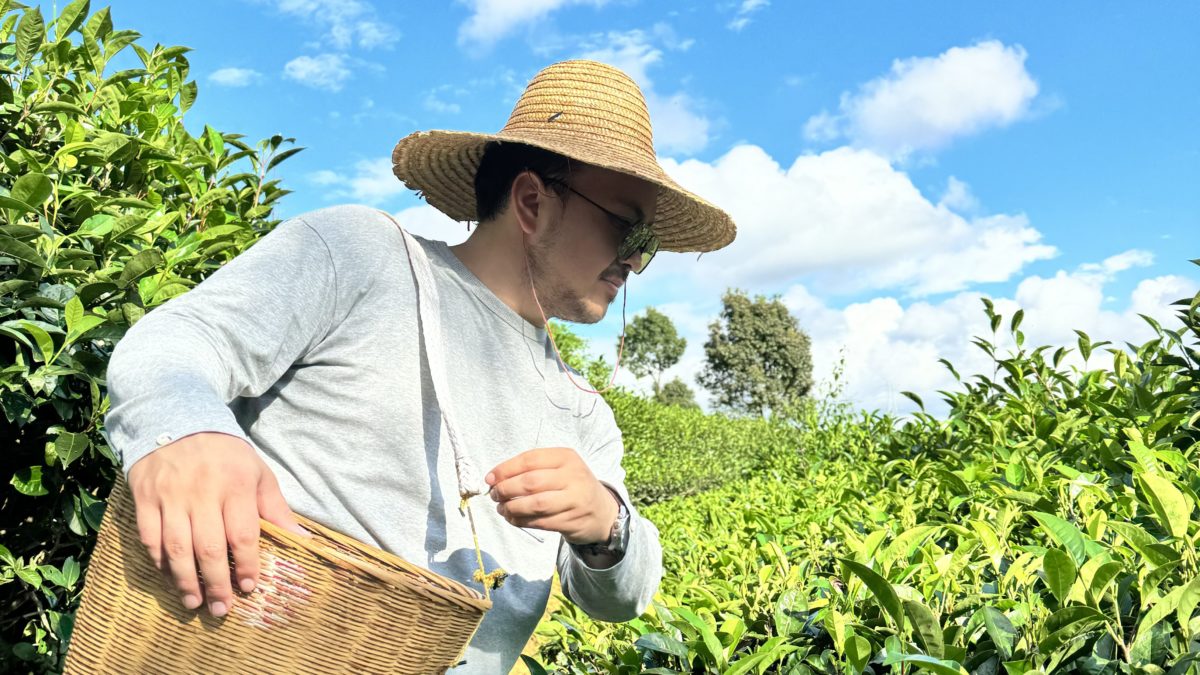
x=295, y=376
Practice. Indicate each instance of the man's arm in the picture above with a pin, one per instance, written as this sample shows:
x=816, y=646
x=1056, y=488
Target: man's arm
x=175, y=371
x=579, y=496
x=200, y=494
x=606, y=587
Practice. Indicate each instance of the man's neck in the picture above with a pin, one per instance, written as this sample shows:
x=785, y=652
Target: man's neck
x=497, y=258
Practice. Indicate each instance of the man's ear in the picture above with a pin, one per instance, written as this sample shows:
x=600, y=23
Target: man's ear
x=529, y=197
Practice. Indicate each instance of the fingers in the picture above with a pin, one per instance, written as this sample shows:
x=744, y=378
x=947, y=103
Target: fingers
x=212, y=553
x=272, y=507
x=530, y=460
x=197, y=499
x=566, y=524
x=241, y=531
x=528, y=483
x=150, y=530
x=523, y=510
x=180, y=559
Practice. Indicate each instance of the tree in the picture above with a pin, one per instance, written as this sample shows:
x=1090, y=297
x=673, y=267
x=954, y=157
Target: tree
x=677, y=393
x=652, y=345
x=574, y=352
x=757, y=358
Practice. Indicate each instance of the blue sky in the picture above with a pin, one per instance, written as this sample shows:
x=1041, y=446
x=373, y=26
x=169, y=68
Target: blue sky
x=887, y=163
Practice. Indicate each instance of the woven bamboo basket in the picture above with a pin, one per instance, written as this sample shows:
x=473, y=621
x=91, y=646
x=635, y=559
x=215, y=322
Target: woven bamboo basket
x=328, y=604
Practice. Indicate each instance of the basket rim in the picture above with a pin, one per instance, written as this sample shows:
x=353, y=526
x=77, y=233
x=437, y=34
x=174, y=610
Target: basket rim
x=440, y=586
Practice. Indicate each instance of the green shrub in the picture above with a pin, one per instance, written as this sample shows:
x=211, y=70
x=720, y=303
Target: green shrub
x=1048, y=524
x=672, y=451
x=108, y=208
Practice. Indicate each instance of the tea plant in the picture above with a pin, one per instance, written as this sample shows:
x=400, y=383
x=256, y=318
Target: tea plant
x=1048, y=524
x=108, y=208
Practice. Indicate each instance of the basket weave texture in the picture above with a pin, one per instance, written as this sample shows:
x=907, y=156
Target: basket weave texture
x=326, y=604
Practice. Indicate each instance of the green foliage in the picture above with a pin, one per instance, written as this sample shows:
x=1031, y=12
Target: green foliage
x=1048, y=524
x=574, y=352
x=108, y=208
x=758, y=359
x=672, y=451
x=676, y=393
x=652, y=345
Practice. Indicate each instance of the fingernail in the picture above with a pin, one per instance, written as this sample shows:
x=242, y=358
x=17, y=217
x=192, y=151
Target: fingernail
x=247, y=585
x=301, y=531
x=217, y=609
x=490, y=479
x=191, y=601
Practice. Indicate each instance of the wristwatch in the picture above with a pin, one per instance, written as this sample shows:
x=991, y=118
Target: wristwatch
x=618, y=539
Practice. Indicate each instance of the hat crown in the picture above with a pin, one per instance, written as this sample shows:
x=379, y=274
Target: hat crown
x=583, y=101
x=584, y=110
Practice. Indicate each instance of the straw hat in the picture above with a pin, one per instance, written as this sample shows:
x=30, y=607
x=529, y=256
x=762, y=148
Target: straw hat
x=585, y=110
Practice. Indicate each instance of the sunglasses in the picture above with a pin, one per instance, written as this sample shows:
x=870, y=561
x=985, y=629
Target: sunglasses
x=638, y=237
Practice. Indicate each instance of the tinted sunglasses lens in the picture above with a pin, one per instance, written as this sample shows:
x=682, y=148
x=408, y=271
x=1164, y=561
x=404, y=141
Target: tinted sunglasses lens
x=642, y=242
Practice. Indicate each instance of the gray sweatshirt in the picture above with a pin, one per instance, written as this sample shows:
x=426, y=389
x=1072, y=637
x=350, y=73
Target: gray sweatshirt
x=307, y=346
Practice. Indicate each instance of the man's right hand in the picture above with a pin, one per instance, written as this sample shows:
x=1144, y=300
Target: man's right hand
x=198, y=498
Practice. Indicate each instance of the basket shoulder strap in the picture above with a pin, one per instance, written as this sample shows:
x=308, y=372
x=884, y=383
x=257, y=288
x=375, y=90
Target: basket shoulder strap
x=430, y=322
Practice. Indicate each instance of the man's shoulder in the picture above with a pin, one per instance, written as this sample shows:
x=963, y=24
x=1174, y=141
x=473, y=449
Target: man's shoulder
x=349, y=224
x=357, y=236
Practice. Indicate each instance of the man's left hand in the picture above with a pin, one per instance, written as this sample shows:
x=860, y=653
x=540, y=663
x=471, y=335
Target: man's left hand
x=553, y=489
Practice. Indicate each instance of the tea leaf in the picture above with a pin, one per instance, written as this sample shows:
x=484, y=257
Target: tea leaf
x=31, y=31
x=885, y=595
x=1001, y=630
x=20, y=250
x=1171, y=508
x=928, y=630
x=70, y=446
x=1060, y=573
x=29, y=482
x=32, y=189
x=658, y=642
x=71, y=18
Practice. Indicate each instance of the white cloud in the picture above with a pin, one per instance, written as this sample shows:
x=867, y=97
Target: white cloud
x=924, y=103
x=958, y=196
x=371, y=182
x=435, y=101
x=1121, y=262
x=891, y=348
x=235, y=77
x=678, y=126
x=428, y=222
x=432, y=102
x=323, y=71
x=847, y=221
x=347, y=22
x=492, y=20
x=665, y=33
x=742, y=18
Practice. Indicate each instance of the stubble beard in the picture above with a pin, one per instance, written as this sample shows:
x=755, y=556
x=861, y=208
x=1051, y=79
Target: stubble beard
x=553, y=290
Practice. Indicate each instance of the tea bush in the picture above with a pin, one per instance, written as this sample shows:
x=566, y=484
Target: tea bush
x=108, y=208
x=672, y=451
x=1048, y=524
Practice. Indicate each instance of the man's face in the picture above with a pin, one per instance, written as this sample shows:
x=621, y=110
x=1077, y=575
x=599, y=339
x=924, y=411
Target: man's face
x=575, y=266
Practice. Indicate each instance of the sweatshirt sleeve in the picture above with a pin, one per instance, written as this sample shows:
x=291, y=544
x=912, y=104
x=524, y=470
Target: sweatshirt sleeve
x=621, y=592
x=176, y=370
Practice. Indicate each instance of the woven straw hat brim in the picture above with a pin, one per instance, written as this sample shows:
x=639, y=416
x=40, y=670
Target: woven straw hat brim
x=441, y=166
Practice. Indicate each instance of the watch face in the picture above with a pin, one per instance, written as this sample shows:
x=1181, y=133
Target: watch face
x=620, y=538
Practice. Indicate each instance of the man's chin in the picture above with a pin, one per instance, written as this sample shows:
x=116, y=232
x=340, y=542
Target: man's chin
x=594, y=312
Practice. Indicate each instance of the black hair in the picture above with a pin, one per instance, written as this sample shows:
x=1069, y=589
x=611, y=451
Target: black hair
x=500, y=165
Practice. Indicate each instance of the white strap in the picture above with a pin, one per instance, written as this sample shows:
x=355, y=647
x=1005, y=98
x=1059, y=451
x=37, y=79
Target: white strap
x=469, y=481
